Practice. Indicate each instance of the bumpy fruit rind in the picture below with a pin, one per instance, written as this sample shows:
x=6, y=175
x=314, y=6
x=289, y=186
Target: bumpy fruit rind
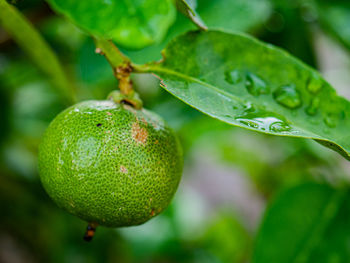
x=109, y=163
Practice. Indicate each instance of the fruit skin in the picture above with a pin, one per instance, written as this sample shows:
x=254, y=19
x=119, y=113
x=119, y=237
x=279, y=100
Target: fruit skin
x=109, y=163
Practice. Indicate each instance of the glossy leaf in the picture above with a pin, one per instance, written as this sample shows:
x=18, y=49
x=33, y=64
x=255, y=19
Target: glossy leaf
x=244, y=82
x=230, y=15
x=305, y=224
x=335, y=18
x=235, y=15
x=28, y=38
x=133, y=24
x=188, y=8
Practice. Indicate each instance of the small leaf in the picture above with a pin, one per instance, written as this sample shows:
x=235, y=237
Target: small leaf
x=305, y=224
x=35, y=46
x=247, y=83
x=188, y=9
x=335, y=18
x=133, y=24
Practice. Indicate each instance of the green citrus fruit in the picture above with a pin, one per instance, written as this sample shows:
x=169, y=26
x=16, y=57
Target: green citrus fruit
x=109, y=163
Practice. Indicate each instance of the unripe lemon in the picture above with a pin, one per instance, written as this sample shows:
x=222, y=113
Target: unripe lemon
x=109, y=163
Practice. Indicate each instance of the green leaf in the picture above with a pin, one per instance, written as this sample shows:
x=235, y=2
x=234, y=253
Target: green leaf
x=247, y=83
x=188, y=8
x=232, y=15
x=239, y=15
x=235, y=15
x=35, y=46
x=307, y=223
x=133, y=24
x=335, y=18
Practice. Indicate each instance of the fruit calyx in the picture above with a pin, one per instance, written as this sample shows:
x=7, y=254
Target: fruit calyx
x=132, y=99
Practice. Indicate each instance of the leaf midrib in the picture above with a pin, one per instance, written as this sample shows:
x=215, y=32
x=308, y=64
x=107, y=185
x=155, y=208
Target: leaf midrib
x=223, y=92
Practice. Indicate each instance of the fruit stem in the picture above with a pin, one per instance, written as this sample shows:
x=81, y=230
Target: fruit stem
x=120, y=63
x=90, y=231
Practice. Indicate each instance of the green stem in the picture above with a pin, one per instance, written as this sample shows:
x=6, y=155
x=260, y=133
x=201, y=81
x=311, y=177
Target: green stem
x=120, y=64
x=114, y=56
x=28, y=38
x=143, y=68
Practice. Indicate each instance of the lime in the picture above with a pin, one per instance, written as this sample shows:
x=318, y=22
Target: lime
x=109, y=163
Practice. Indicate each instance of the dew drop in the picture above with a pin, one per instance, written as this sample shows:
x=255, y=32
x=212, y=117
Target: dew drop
x=262, y=120
x=233, y=77
x=255, y=85
x=280, y=126
x=249, y=123
x=313, y=107
x=331, y=120
x=315, y=84
x=270, y=123
x=288, y=96
x=267, y=124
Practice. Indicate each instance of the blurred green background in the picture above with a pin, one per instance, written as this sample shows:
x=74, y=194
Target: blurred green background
x=230, y=174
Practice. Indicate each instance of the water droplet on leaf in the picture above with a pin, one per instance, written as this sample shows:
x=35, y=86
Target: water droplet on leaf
x=313, y=107
x=249, y=123
x=279, y=126
x=331, y=120
x=288, y=96
x=271, y=124
x=255, y=85
x=262, y=120
x=315, y=84
x=233, y=77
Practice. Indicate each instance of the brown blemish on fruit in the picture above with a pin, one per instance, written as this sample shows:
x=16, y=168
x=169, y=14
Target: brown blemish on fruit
x=152, y=212
x=108, y=113
x=123, y=169
x=144, y=121
x=155, y=126
x=156, y=142
x=139, y=134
